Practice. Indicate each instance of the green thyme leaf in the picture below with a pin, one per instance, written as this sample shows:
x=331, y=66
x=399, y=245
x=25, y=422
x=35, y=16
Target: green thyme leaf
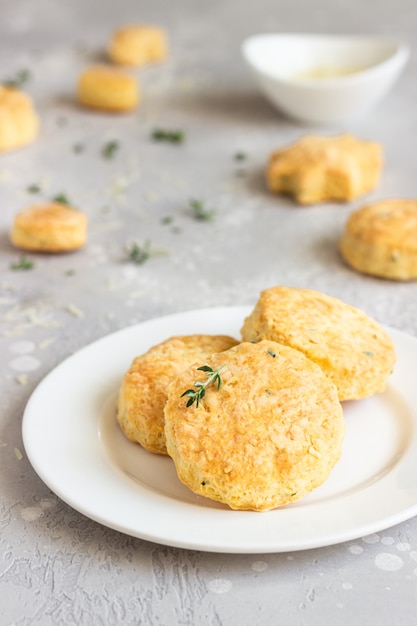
x=171, y=136
x=19, y=80
x=33, y=189
x=61, y=198
x=110, y=149
x=200, y=212
x=213, y=378
x=240, y=156
x=139, y=254
x=22, y=264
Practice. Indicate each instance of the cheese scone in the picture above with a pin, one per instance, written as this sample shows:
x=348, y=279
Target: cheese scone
x=324, y=169
x=269, y=435
x=381, y=239
x=50, y=227
x=19, y=122
x=104, y=88
x=143, y=391
x=352, y=349
x=138, y=44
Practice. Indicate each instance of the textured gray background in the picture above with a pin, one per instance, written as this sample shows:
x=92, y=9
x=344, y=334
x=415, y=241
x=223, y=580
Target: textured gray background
x=56, y=566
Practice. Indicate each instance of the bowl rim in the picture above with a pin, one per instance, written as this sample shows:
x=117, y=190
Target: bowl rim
x=396, y=60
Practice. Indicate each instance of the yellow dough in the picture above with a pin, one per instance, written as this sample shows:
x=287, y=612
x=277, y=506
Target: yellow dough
x=271, y=434
x=324, y=169
x=107, y=89
x=51, y=227
x=138, y=45
x=19, y=122
x=381, y=239
x=352, y=349
x=143, y=391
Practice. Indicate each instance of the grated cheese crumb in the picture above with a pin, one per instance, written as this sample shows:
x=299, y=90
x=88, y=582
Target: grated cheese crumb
x=22, y=379
x=18, y=454
x=74, y=310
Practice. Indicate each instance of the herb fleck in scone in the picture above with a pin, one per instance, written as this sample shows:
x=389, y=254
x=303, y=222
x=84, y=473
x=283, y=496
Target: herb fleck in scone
x=324, y=169
x=352, y=349
x=50, y=227
x=138, y=44
x=270, y=433
x=381, y=239
x=107, y=89
x=143, y=391
x=19, y=122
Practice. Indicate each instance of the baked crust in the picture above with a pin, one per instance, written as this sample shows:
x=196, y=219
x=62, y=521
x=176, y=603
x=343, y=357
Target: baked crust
x=108, y=89
x=381, y=239
x=324, y=169
x=352, y=349
x=143, y=391
x=50, y=227
x=19, y=122
x=270, y=435
x=138, y=44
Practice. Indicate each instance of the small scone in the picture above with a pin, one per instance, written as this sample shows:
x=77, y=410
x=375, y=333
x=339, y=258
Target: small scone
x=19, y=123
x=271, y=434
x=324, y=169
x=352, y=349
x=138, y=44
x=51, y=227
x=107, y=89
x=143, y=391
x=381, y=239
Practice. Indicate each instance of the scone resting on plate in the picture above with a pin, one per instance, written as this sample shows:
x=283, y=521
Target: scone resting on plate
x=270, y=435
x=19, y=122
x=108, y=89
x=324, y=169
x=381, y=239
x=352, y=349
x=50, y=227
x=138, y=44
x=143, y=391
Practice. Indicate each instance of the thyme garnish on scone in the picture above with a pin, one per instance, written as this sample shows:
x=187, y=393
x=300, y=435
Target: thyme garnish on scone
x=213, y=378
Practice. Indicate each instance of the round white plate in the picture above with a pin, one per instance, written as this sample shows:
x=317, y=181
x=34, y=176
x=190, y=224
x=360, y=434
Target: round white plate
x=73, y=441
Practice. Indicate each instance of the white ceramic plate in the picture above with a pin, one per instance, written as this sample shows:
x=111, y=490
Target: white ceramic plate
x=72, y=439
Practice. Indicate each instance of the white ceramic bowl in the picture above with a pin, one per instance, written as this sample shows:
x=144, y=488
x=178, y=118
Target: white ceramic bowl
x=324, y=79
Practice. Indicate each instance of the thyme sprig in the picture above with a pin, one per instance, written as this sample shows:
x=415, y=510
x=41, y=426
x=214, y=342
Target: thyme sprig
x=200, y=212
x=19, y=80
x=213, y=378
x=22, y=264
x=61, y=198
x=138, y=254
x=172, y=136
x=110, y=149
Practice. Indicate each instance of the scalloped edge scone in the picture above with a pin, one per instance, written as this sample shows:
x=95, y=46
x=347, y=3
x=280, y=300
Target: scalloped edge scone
x=352, y=349
x=324, y=169
x=143, y=391
x=138, y=44
x=19, y=122
x=380, y=239
x=271, y=434
x=107, y=89
x=49, y=227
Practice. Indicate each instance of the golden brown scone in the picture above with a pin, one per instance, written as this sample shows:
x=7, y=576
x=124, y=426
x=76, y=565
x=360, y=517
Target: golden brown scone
x=143, y=391
x=138, y=44
x=270, y=435
x=324, y=169
x=107, y=89
x=19, y=123
x=381, y=239
x=351, y=348
x=51, y=227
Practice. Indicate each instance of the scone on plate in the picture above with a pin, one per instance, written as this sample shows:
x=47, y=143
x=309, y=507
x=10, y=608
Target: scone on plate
x=352, y=349
x=271, y=434
x=19, y=122
x=138, y=44
x=325, y=169
x=143, y=391
x=108, y=89
x=381, y=239
x=50, y=227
